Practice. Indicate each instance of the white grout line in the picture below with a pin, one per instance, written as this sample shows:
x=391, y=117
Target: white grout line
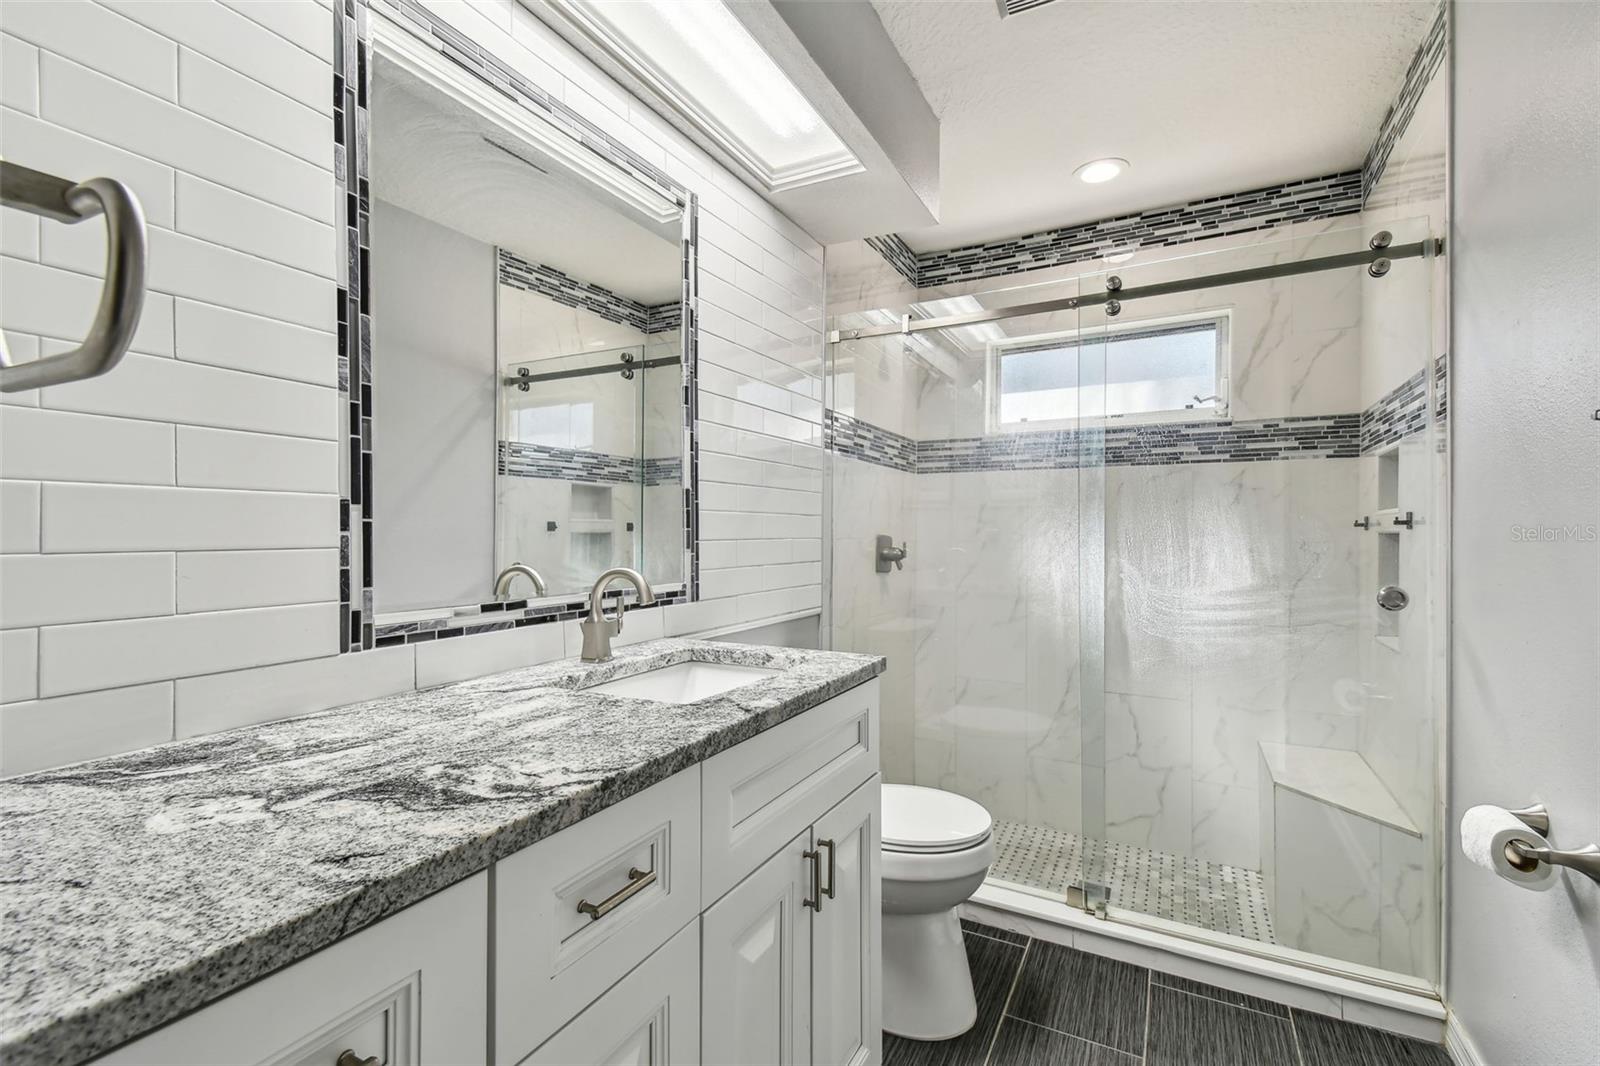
x=1149, y=1003
x=1294, y=1038
x=1005, y=1008
x=1073, y=1036
x=1225, y=1003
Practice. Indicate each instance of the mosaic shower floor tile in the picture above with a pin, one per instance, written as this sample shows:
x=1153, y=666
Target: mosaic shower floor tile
x=1210, y=895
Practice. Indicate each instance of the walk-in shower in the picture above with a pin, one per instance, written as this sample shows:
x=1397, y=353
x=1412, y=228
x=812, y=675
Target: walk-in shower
x=1149, y=509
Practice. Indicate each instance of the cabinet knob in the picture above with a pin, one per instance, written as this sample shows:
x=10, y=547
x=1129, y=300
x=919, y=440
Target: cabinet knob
x=349, y=1058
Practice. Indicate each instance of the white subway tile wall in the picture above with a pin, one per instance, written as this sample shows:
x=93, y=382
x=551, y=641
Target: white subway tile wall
x=170, y=530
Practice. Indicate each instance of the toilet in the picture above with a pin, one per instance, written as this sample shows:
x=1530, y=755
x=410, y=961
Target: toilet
x=937, y=848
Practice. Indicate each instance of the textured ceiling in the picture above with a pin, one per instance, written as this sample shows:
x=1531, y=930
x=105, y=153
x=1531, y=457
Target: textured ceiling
x=1202, y=97
x=431, y=159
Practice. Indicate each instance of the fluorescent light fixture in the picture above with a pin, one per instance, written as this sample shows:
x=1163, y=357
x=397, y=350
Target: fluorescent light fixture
x=1099, y=170
x=703, y=63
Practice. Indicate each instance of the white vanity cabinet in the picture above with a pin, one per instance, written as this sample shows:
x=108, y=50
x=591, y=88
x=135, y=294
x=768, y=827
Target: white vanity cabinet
x=728, y=914
x=406, y=991
x=791, y=962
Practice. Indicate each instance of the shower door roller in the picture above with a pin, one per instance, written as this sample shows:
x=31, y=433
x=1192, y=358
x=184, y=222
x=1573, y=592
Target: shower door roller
x=1393, y=598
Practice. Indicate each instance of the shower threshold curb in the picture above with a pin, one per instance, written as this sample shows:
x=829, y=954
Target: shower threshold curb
x=1393, y=1002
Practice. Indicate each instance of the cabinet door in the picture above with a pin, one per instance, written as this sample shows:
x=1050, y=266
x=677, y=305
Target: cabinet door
x=846, y=949
x=756, y=966
x=649, y=1018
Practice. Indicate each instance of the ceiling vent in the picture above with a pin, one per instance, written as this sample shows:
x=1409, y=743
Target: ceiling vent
x=1017, y=7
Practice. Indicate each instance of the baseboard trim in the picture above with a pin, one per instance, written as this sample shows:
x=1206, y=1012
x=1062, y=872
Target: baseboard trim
x=1460, y=1046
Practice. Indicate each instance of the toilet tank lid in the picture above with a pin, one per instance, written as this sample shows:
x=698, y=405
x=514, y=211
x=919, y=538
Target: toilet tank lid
x=930, y=819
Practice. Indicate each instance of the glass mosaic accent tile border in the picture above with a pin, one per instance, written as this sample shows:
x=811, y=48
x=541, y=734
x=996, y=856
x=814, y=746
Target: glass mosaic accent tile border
x=867, y=442
x=1402, y=411
x=1425, y=64
x=517, y=459
x=517, y=273
x=897, y=253
x=1329, y=196
x=513, y=614
x=1399, y=413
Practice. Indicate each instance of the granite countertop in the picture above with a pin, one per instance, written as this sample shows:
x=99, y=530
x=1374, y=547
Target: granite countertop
x=140, y=887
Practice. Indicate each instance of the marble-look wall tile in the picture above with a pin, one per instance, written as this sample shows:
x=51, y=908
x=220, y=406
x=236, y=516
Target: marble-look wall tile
x=1149, y=600
x=1226, y=825
x=1326, y=883
x=1408, y=919
x=1147, y=769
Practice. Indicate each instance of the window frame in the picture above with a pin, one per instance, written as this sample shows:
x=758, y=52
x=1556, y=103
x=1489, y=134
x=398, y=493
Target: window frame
x=995, y=352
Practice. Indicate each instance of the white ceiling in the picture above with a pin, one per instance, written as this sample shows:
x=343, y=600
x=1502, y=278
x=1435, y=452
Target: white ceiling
x=430, y=157
x=1203, y=98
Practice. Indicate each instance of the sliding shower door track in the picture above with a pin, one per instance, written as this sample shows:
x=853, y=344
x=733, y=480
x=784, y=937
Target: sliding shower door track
x=1375, y=259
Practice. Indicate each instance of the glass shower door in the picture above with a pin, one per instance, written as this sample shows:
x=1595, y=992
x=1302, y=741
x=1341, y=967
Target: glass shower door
x=1266, y=727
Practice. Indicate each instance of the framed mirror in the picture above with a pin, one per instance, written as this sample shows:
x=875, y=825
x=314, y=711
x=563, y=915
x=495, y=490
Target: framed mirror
x=520, y=292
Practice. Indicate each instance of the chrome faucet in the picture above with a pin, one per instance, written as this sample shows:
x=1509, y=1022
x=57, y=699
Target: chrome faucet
x=502, y=584
x=598, y=628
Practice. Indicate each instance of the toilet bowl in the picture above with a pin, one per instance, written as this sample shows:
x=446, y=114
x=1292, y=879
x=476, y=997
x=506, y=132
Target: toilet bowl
x=937, y=849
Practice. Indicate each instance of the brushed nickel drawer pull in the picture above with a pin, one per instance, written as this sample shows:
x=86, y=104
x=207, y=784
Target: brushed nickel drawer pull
x=829, y=845
x=815, y=858
x=348, y=1058
x=638, y=881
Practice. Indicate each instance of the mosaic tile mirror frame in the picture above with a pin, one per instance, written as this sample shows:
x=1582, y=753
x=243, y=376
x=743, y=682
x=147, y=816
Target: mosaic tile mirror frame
x=360, y=359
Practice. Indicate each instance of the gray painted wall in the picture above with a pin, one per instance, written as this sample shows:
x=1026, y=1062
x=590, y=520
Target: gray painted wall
x=433, y=294
x=1523, y=976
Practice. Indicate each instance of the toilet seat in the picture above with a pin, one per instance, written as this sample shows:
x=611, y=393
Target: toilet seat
x=930, y=821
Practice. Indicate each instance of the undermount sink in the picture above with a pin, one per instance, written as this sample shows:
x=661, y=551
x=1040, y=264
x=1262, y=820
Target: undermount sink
x=684, y=682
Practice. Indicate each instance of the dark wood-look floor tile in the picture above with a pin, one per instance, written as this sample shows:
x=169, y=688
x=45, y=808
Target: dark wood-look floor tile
x=994, y=969
x=993, y=931
x=1025, y=1044
x=1236, y=999
x=1328, y=1041
x=1083, y=995
x=1188, y=1030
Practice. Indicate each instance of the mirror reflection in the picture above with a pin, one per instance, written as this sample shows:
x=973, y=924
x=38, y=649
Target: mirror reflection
x=529, y=390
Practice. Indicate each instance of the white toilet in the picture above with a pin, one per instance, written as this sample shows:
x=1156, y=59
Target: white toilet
x=936, y=851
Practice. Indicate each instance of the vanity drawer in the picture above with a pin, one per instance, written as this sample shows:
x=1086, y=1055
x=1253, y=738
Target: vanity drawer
x=407, y=991
x=761, y=793
x=651, y=1017
x=633, y=868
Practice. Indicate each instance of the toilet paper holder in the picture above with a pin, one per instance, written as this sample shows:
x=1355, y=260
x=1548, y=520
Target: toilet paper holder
x=1525, y=856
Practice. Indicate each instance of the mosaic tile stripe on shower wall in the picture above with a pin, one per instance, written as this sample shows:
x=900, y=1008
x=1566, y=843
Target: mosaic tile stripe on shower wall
x=1329, y=196
x=1401, y=412
x=517, y=459
x=897, y=253
x=1154, y=444
x=869, y=443
x=517, y=273
x=1424, y=65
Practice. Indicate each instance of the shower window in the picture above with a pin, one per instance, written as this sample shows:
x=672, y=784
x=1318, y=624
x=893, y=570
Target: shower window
x=1155, y=370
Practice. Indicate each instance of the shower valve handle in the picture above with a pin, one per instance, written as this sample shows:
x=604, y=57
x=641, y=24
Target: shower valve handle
x=889, y=553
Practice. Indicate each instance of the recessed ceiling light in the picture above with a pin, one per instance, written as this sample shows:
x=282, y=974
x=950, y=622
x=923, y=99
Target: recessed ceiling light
x=1098, y=170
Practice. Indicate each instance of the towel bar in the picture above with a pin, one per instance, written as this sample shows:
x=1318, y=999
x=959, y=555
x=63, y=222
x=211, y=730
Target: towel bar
x=122, y=298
